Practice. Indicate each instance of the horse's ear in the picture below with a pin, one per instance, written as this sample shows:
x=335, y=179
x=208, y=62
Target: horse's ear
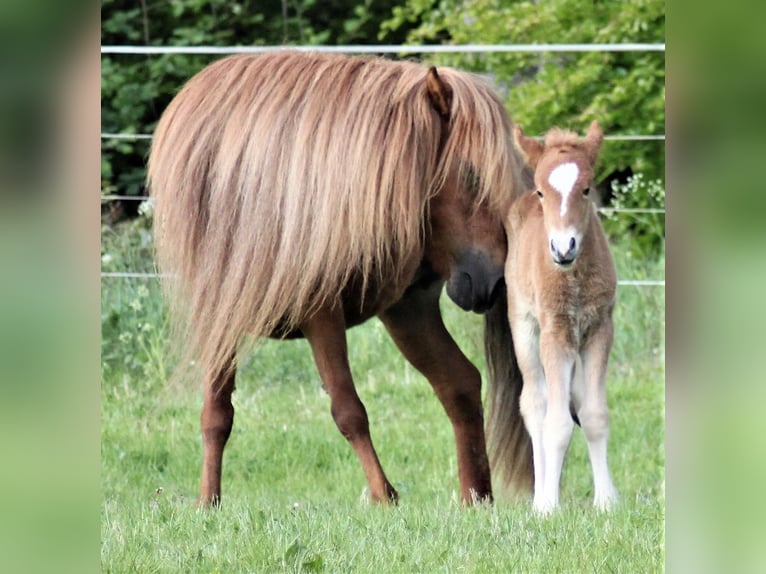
x=530, y=147
x=593, y=139
x=439, y=93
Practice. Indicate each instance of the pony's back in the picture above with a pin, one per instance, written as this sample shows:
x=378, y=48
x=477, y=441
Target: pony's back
x=279, y=178
x=262, y=204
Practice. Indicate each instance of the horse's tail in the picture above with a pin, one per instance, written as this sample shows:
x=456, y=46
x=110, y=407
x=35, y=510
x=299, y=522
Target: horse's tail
x=508, y=442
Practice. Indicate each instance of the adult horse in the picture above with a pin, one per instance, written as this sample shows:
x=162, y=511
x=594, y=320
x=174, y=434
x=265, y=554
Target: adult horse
x=298, y=195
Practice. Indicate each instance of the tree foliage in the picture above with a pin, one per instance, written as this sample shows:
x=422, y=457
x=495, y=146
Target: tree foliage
x=136, y=89
x=624, y=91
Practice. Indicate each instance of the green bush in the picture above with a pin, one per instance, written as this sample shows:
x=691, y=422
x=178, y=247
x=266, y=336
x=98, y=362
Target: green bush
x=624, y=91
x=645, y=230
x=133, y=324
x=136, y=89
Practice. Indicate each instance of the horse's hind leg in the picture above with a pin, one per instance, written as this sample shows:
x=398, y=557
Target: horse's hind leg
x=594, y=415
x=415, y=324
x=326, y=333
x=216, y=421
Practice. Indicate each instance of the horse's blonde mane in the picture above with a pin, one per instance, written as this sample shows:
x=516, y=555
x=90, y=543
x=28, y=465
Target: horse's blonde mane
x=279, y=177
x=480, y=139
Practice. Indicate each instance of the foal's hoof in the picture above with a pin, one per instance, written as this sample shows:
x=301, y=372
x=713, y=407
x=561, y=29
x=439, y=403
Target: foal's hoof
x=605, y=503
x=544, y=508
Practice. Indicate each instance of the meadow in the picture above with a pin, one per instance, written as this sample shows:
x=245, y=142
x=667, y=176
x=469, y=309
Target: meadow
x=293, y=489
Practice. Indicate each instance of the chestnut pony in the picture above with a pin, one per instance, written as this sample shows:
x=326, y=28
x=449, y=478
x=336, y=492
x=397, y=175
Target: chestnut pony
x=298, y=195
x=561, y=286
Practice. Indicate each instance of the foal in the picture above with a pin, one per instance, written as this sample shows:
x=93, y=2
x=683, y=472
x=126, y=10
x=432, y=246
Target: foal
x=561, y=288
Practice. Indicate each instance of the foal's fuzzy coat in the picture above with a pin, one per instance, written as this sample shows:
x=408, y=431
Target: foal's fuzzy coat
x=561, y=285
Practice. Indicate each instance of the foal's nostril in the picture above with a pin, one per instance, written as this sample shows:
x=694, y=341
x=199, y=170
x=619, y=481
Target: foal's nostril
x=571, y=244
x=553, y=247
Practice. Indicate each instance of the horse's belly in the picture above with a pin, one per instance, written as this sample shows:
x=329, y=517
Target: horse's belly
x=362, y=302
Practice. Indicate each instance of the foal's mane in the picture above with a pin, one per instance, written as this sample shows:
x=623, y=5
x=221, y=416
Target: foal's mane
x=279, y=177
x=561, y=138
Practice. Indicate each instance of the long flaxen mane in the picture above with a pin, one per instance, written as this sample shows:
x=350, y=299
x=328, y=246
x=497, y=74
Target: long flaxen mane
x=276, y=178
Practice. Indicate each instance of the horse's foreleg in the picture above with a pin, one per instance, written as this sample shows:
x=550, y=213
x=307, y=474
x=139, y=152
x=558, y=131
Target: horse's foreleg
x=594, y=415
x=559, y=364
x=326, y=333
x=216, y=421
x=415, y=324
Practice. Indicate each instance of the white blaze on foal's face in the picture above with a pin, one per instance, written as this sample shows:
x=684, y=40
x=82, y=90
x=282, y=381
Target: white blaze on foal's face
x=562, y=179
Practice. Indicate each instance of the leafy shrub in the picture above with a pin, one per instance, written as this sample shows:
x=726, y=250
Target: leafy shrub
x=624, y=91
x=136, y=89
x=133, y=317
x=645, y=230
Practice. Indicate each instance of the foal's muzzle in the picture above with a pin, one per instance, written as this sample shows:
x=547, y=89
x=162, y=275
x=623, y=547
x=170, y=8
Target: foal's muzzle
x=564, y=254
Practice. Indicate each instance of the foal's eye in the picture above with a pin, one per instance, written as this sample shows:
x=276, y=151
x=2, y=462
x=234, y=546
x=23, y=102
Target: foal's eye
x=586, y=191
x=539, y=194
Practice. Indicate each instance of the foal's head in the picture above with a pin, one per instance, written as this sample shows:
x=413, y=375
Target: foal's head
x=563, y=166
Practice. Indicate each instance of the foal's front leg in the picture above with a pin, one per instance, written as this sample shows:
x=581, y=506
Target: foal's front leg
x=326, y=333
x=559, y=364
x=594, y=416
x=415, y=324
x=532, y=402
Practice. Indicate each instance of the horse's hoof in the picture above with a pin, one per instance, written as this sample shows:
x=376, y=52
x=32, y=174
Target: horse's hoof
x=204, y=503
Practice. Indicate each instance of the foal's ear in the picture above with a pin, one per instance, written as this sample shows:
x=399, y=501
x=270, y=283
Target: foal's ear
x=593, y=139
x=530, y=147
x=439, y=93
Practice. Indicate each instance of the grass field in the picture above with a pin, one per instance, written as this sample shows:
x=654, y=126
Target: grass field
x=293, y=487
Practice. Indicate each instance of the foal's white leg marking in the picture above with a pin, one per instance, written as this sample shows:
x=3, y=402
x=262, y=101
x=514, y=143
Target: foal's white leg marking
x=558, y=363
x=533, y=393
x=594, y=415
x=562, y=179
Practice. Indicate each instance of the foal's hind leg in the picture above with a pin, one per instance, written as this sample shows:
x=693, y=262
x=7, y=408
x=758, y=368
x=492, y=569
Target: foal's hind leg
x=416, y=326
x=326, y=332
x=216, y=421
x=594, y=416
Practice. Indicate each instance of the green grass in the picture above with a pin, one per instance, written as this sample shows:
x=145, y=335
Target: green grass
x=292, y=486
